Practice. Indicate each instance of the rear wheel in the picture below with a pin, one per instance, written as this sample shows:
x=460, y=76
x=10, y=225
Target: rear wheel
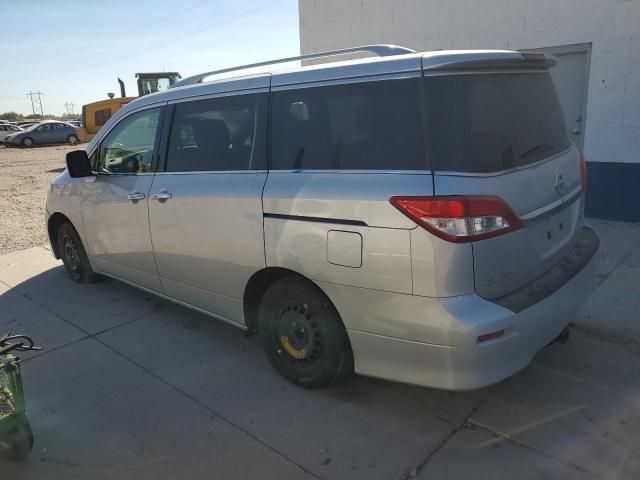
x=74, y=256
x=302, y=334
x=27, y=142
x=72, y=140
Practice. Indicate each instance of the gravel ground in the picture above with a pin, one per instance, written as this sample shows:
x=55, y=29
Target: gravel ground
x=24, y=178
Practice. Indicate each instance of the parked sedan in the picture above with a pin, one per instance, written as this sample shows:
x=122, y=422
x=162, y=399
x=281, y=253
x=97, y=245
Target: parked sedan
x=44, y=133
x=7, y=129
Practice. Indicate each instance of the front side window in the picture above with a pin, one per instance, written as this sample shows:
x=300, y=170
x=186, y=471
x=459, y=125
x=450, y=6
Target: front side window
x=370, y=125
x=128, y=148
x=217, y=134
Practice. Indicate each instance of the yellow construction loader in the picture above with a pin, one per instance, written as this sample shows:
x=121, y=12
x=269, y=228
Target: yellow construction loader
x=96, y=114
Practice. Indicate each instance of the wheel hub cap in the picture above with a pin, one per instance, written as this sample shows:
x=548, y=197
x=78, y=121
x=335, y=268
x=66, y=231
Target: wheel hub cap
x=299, y=333
x=71, y=255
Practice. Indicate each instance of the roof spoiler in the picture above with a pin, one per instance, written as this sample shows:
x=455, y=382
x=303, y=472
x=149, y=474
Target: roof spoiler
x=487, y=61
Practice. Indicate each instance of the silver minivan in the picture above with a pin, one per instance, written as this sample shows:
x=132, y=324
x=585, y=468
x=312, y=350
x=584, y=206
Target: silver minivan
x=411, y=216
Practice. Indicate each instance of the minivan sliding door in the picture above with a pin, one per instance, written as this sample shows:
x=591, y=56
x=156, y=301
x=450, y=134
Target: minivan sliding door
x=205, y=209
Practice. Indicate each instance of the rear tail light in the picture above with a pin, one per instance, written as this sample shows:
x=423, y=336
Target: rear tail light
x=583, y=172
x=460, y=219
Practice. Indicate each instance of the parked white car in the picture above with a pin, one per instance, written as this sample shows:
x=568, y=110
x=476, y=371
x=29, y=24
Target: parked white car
x=7, y=129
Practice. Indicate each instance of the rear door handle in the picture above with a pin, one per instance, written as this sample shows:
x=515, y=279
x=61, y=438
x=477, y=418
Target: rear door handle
x=134, y=196
x=162, y=195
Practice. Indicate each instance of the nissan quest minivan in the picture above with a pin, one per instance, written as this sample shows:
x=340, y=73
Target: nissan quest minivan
x=416, y=217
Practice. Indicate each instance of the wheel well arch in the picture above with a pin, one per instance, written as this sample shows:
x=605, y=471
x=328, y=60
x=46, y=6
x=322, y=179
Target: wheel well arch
x=257, y=287
x=53, y=225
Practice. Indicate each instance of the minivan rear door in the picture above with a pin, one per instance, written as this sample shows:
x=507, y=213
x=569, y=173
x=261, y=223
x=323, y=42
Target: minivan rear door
x=501, y=133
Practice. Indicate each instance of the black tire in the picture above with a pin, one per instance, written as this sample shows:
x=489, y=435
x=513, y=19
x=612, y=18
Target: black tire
x=302, y=334
x=74, y=256
x=19, y=441
x=27, y=142
x=72, y=139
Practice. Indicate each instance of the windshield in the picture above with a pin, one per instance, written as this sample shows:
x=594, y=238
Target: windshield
x=486, y=123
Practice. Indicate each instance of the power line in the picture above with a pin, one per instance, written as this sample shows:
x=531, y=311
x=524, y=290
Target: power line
x=36, y=102
x=113, y=37
x=195, y=32
x=137, y=52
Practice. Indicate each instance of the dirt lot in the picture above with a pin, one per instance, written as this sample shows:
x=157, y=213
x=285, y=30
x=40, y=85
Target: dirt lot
x=24, y=178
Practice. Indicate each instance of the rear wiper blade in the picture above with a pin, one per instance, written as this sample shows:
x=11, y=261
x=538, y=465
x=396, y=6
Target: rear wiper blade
x=537, y=149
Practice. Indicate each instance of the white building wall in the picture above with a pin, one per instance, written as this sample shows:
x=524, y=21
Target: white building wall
x=611, y=26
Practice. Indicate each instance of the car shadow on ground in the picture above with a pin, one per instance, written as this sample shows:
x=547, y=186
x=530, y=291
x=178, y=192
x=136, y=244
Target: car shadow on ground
x=132, y=386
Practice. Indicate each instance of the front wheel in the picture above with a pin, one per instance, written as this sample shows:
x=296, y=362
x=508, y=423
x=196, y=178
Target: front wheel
x=19, y=441
x=74, y=256
x=72, y=140
x=302, y=334
x=27, y=142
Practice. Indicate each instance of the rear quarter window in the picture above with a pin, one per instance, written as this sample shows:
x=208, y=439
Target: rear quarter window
x=487, y=123
x=358, y=126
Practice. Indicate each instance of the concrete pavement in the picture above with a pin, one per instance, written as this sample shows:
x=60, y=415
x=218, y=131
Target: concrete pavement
x=131, y=386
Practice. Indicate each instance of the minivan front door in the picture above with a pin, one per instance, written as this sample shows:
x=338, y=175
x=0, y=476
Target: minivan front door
x=205, y=210
x=114, y=206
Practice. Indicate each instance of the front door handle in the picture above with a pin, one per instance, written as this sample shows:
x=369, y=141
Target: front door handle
x=135, y=196
x=162, y=195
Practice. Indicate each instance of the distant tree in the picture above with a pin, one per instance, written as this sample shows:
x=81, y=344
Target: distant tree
x=36, y=116
x=11, y=116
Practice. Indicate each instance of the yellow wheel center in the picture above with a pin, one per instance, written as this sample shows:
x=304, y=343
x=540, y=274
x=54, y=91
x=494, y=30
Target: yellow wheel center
x=291, y=350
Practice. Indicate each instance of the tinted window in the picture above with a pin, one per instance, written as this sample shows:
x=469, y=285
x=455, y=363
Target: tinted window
x=217, y=134
x=101, y=116
x=489, y=123
x=128, y=148
x=373, y=125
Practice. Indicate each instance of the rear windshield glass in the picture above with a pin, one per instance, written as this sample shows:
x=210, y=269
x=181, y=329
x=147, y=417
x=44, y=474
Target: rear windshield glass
x=487, y=123
x=372, y=125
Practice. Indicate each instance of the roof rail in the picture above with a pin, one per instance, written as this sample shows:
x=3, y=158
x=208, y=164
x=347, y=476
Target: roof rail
x=378, y=50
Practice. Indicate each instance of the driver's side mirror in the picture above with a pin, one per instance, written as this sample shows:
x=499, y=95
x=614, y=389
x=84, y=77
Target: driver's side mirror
x=78, y=164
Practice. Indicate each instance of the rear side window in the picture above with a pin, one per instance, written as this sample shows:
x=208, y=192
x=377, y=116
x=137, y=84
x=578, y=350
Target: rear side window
x=372, y=126
x=224, y=133
x=487, y=123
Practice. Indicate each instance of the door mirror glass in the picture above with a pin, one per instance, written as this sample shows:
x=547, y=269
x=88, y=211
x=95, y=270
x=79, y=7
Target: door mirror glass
x=78, y=164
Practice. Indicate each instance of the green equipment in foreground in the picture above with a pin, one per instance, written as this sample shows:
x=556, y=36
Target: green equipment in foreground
x=16, y=438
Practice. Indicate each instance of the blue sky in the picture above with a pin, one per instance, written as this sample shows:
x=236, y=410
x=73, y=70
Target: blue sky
x=73, y=51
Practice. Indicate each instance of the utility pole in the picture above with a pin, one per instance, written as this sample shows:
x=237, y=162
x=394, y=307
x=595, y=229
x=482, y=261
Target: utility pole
x=69, y=106
x=36, y=103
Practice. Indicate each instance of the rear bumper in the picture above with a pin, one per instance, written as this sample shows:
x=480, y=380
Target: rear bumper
x=455, y=360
